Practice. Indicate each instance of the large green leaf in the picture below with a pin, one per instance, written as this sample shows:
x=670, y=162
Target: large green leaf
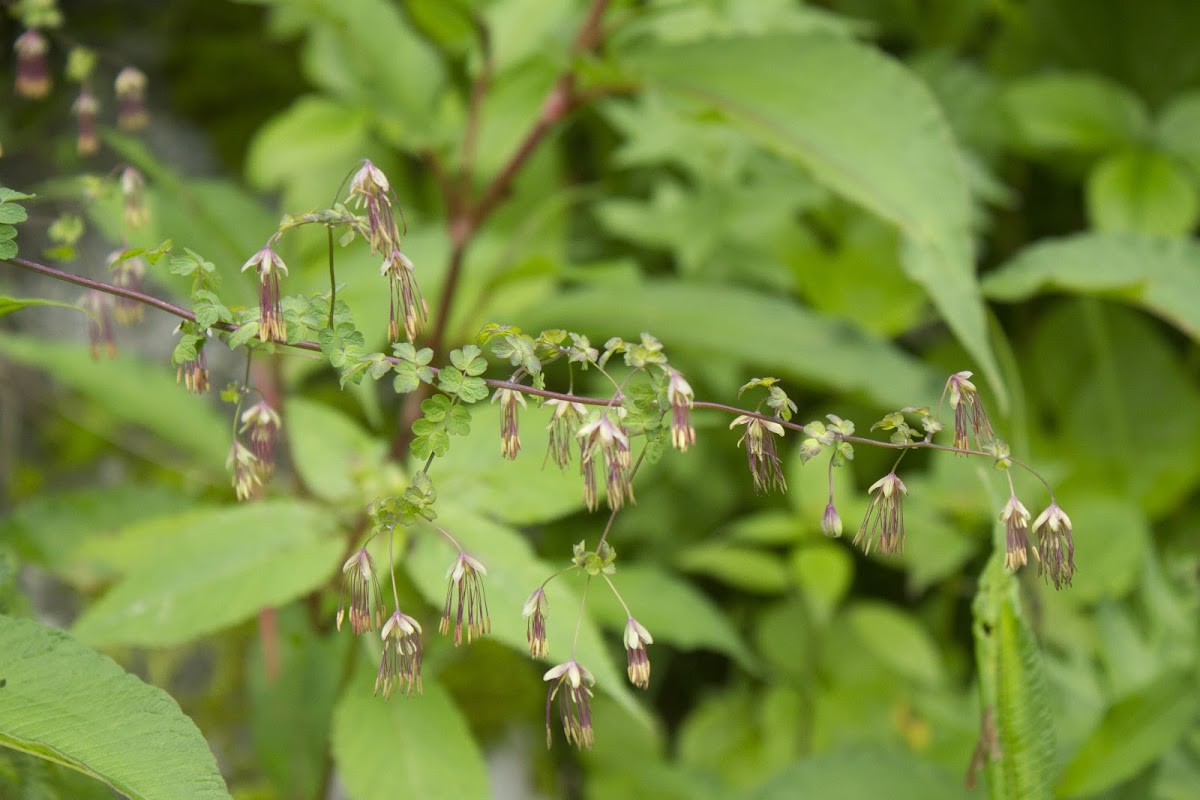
x=897, y=640
x=71, y=705
x=513, y=573
x=865, y=127
x=1074, y=113
x=1178, y=129
x=134, y=391
x=1134, y=733
x=1160, y=275
x=754, y=328
x=192, y=574
x=1141, y=191
x=862, y=774
x=416, y=746
x=332, y=454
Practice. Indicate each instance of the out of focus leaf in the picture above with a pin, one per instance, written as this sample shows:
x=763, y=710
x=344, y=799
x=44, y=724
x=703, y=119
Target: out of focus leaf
x=190, y=575
x=1141, y=191
x=331, y=453
x=823, y=572
x=10, y=304
x=897, y=641
x=741, y=567
x=1076, y=112
x=862, y=774
x=63, y=702
x=1111, y=536
x=416, y=746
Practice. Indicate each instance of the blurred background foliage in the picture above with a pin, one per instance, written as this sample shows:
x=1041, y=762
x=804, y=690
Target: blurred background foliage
x=786, y=188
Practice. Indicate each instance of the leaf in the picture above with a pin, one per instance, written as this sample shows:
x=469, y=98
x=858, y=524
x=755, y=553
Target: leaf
x=897, y=640
x=862, y=774
x=133, y=391
x=331, y=453
x=741, y=567
x=908, y=172
x=672, y=610
x=1162, y=276
x=754, y=328
x=65, y=703
x=823, y=572
x=416, y=746
x=1141, y=191
x=513, y=573
x=10, y=304
x=1133, y=733
x=1112, y=537
x=1178, y=129
x=192, y=574
x=1078, y=113
x=12, y=212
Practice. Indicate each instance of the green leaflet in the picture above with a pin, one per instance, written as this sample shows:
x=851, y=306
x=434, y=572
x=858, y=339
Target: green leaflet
x=1016, y=749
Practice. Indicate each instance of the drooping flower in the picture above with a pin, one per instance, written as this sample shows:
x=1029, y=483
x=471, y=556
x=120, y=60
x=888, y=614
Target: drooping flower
x=100, y=325
x=1055, y=547
x=1015, y=517
x=361, y=595
x=369, y=189
x=194, y=373
x=261, y=424
x=884, y=520
x=535, y=630
x=408, y=308
x=268, y=265
x=572, y=683
x=970, y=417
x=465, y=598
x=831, y=521
x=247, y=478
x=400, y=664
x=636, y=639
x=510, y=434
x=680, y=398
x=130, y=88
x=764, y=462
x=33, y=70
x=603, y=437
x=127, y=274
x=566, y=419
x=86, y=107
x=133, y=198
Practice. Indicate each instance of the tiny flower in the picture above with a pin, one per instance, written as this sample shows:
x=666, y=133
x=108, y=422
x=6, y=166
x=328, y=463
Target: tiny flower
x=261, y=423
x=608, y=438
x=400, y=664
x=268, y=265
x=85, y=108
x=1055, y=547
x=764, y=462
x=680, y=397
x=360, y=584
x=574, y=704
x=831, y=521
x=194, y=373
x=564, y=422
x=133, y=197
x=130, y=87
x=970, y=417
x=127, y=274
x=33, y=71
x=100, y=328
x=408, y=308
x=535, y=631
x=465, y=597
x=1015, y=517
x=246, y=476
x=510, y=438
x=885, y=516
x=370, y=189
x=636, y=639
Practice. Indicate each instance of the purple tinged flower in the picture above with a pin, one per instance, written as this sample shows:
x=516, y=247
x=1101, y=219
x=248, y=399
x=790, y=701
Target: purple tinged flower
x=970, y=417
x=510, y=434
x=566, y=419
x=604, y=437
x=361, y=595
x=133, y=198
x=680, y=397
x=831, y=521
x=127, y=274
x=194, y=373
x=1015, y=517
x=636, y=639
x=400, y=665
x=764, y=462
x=247, y=479
x=268, y=265
x=465, y=599
x=85, y=108
x=574, y=703
x=408, y=307
x=535, y=632
x=100, y=326
x=1055, y=547
x=885, y=516
x=130, y=88
x=33, y=70
x=261, y=423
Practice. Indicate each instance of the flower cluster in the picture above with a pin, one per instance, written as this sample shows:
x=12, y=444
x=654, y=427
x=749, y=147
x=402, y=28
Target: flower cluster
x=268, y=265
x=466, y=601
x=400, y=665
x=884, y=520
x=564, y=421
x=100, y=327
x=571, y=683
x=127, y=273
x=970, y=417
x=606, y=438
x=764, y=462
x=252, y=466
